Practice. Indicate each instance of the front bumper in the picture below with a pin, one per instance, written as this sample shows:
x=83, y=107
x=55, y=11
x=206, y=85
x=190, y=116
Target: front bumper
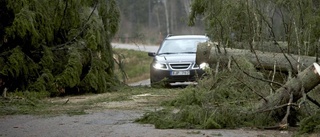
x=157, y=75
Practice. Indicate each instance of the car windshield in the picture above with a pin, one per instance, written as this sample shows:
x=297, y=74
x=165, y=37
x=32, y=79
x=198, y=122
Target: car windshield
x=176, y=46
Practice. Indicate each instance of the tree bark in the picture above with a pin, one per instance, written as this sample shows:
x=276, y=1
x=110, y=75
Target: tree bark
x=303, y=83
x=208, y=52
x=291, y=92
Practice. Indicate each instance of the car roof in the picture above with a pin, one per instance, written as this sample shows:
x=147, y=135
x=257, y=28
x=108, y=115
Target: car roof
x=186, y=36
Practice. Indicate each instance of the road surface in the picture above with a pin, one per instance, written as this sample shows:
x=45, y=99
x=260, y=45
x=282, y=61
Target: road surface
x=139, y=47
x=109, y=123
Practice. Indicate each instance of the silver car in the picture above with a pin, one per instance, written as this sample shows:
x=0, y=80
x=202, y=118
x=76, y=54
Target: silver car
x=175, y=60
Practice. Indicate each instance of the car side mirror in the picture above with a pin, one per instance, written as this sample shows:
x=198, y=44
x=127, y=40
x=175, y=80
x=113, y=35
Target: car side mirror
x=151, y=54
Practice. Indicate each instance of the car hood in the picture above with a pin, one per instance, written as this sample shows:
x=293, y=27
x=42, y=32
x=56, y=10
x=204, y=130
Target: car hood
x=168, y=58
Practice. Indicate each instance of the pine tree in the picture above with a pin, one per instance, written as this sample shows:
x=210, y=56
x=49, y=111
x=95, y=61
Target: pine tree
x=60, y=46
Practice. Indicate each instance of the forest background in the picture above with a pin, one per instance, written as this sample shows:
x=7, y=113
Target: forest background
x=149, y=21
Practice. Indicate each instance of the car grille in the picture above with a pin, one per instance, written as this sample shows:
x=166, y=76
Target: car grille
x=179, y=65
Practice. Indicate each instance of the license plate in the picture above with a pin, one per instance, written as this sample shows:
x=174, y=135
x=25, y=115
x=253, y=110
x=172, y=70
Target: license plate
x=178, y=73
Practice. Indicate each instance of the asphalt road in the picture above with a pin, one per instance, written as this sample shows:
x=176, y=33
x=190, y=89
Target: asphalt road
x=138, y=47
x=109, y=123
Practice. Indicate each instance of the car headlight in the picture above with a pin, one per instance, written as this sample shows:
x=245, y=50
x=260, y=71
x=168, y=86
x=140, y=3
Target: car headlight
x=160, y=66
x=204, y=66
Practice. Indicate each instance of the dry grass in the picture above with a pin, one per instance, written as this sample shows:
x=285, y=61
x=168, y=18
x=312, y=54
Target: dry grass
x=135, y=64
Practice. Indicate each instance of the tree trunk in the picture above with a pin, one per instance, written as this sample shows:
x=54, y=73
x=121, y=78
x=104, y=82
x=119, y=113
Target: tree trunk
x=291, y=92
x=208, y=52
x=303, y=83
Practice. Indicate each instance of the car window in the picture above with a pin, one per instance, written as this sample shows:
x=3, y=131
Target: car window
x=180, y=45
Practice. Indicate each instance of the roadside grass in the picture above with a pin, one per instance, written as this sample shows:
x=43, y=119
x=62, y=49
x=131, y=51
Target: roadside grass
x=135, y=64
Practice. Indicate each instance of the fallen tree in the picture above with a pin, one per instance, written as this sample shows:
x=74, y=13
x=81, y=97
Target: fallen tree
x=51, y=47
x=209, y=53
x=281, y=103
x=232, y=99
x=285, y=97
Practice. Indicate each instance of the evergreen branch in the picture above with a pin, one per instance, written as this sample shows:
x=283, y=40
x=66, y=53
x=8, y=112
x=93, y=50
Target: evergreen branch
x=82, y=29
x=56, y=9
x=252, y=90
x=64, y=14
